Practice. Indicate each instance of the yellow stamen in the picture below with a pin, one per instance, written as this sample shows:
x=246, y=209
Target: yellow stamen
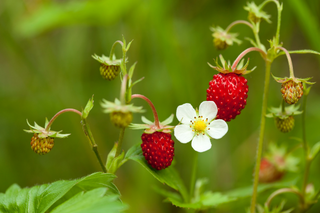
x=200, y=125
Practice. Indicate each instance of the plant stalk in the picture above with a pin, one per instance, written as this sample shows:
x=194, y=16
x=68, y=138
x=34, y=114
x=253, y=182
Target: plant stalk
x=261, y=136
x=193, y=175
x=88, y=133
x=121, y=135
x=59, y=113
x=155, y=114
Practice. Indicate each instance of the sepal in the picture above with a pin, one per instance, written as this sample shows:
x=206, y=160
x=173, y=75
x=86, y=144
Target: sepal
x=43, y=133
x=150, y=127
x=256, y=14
x=226, y=67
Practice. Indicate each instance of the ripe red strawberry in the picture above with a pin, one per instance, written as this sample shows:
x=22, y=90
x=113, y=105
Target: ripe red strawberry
x=269, y=172
x=158, y=149
x=229, y=88
x=229, y=92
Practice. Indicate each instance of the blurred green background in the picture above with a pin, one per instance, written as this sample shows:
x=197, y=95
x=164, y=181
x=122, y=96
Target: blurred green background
x=46, y=66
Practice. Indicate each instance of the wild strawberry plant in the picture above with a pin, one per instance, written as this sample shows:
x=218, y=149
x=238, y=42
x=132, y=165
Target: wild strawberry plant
x=226, y=98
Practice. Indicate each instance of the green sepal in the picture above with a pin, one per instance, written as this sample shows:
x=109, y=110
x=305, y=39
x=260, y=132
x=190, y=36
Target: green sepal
x=226, y=67
x=253, y=9
x=108, y=60
x=43, y=133
x=275, y=209
x=116, y=163
x=116, y=106
x=150, y=127
x=221, y=34
x=296, y=80
x=314, y=150
x=288, y=111
x=306, y=89
x=88, y=108
x=111, y=155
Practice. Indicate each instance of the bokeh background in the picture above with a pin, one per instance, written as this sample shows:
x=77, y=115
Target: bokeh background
x=46, y=66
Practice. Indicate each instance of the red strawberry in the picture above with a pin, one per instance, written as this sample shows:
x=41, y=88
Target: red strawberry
x=269, y=172
x=229, y=92
x=158, y=149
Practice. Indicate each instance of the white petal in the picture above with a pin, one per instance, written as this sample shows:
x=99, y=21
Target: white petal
x=218, y=128
x=201, y=143
x=186, y=113
x=183, y=133
x=208, y=109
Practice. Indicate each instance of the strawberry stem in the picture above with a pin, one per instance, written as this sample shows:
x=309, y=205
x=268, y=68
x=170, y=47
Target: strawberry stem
x=281, y=191
x=261, y=136
x=238, y=22
x=113, y=47
x=235, y=63
x=279, y=8
x=123, y=89
x=289, y=60
x=155, y=114
x=59, y=113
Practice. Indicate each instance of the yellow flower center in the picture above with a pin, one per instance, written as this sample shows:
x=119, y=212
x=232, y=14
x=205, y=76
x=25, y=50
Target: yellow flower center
x=200, y=125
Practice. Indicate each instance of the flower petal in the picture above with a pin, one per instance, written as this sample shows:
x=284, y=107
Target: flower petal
x=218, y=128
x=208, y=109
x=201, y=143
x=183, y=133
x=185, y=113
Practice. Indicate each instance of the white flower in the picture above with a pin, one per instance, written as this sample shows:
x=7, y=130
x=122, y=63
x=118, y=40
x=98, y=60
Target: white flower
x=199, y=126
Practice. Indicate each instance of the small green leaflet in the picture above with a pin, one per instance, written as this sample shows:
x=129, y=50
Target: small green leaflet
x=46, y=197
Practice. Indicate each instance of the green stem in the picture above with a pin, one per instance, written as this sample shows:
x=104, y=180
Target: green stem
x=113, y=48
x=59, y=113
x=256, y=34
x=261, y=136
x=88, y=133
x=289, y=60
x=281, y=191
x=305, y=147
x=238, y=22
x=193, y=176
x=123, y=89
x=279, y=8
x=118, y=151
x=283, y=110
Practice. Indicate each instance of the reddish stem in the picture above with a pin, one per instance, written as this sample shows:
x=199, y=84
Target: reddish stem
x=59, y=113
x=155, y=114
x=235, y=63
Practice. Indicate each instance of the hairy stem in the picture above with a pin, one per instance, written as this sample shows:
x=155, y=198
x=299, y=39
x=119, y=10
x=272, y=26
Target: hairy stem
x=261, y=136
x=121, y=135
x=279, y=8
x=113, y=47
x=88, y=133
x=59, y=113
x=305, y=147
x=281, y=191
x=193, y=175
x=235, y=63
x=289, y=60
x=238, y=22
x=155, y=114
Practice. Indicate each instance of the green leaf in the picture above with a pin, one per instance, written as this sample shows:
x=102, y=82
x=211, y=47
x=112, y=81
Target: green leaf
x=315, y=150
x=88, y=108
x=111, y=155
x=91, y=201
x=247, y=191
x=207, y=200
x=168, y=176
x=41, y=198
